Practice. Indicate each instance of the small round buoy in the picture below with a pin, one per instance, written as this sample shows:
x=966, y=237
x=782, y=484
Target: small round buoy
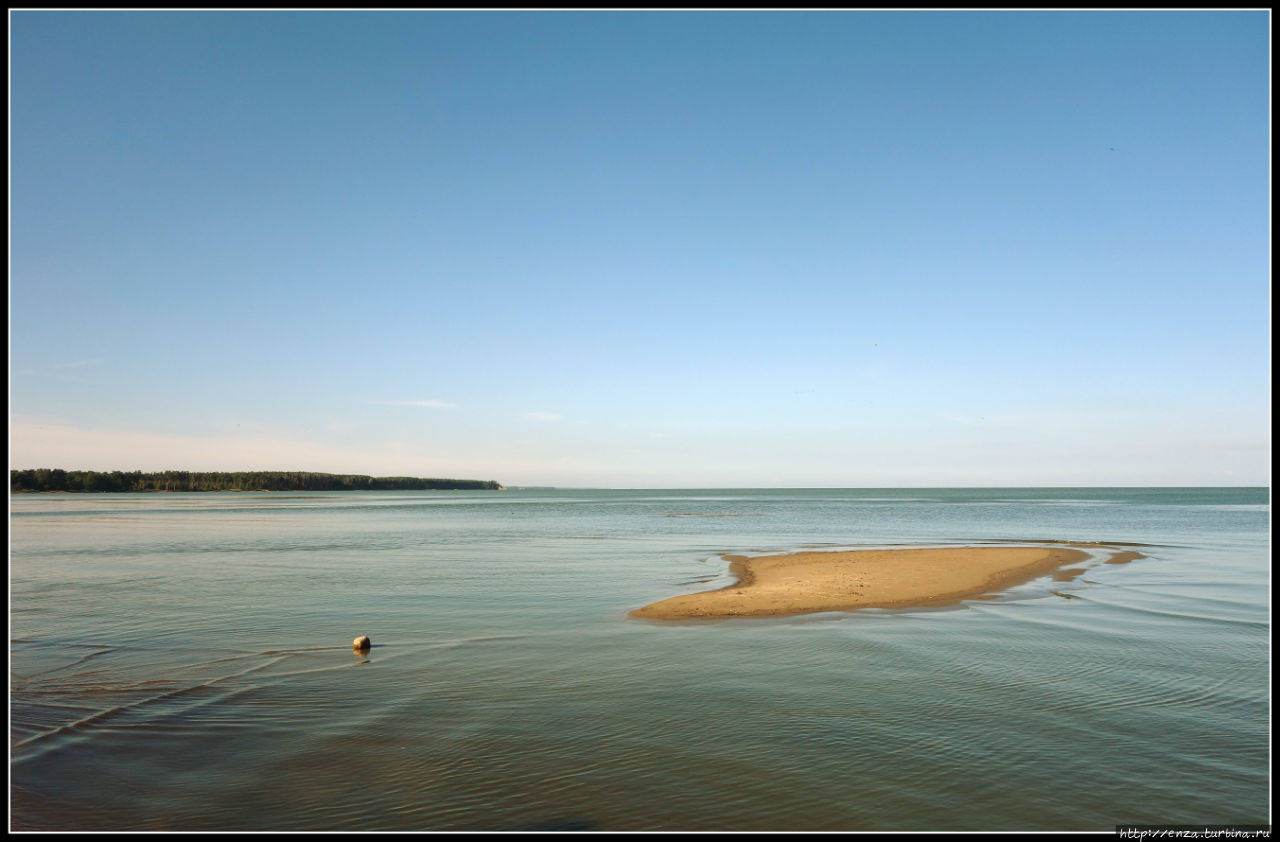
x=362, y=642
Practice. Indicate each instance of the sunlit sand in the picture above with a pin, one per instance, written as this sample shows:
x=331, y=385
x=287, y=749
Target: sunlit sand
x=802, y=583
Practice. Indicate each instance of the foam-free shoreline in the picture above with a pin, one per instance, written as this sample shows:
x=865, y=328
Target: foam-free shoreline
x=807, y=582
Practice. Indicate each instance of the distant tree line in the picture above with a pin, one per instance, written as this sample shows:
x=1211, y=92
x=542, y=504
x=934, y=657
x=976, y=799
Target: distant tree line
x=56, y=479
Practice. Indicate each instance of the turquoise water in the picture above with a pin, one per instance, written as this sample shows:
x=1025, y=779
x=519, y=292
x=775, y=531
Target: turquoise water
x=184, y=662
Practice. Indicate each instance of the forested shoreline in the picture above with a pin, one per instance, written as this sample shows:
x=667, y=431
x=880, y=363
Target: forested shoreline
x=55, y=479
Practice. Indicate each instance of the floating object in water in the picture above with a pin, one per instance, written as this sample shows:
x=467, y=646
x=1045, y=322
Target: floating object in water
x=361, y=643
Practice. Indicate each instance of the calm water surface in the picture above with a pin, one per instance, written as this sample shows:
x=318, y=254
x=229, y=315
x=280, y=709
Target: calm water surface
x=183, y=662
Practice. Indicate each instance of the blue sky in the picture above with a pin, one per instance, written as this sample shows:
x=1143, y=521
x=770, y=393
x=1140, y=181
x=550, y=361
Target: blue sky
x=644, y=249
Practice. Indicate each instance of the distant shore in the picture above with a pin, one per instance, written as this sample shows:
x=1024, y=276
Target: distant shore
x=808, y=582
x=57, y=480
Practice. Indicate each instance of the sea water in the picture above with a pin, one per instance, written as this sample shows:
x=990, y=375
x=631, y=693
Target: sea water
x=184, y=662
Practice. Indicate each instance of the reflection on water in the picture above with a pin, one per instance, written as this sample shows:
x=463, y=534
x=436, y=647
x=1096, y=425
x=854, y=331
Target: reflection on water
x=184, y=662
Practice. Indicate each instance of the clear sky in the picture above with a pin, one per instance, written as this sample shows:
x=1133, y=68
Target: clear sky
x=644, y=249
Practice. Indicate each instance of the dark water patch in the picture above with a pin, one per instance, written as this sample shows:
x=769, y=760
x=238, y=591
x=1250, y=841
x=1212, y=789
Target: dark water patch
x=562, y=825
x=141, y=713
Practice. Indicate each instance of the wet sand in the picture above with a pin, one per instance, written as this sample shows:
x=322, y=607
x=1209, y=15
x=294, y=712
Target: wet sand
x=803, y=583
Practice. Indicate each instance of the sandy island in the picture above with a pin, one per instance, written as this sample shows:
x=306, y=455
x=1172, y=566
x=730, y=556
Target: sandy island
x=802, y=583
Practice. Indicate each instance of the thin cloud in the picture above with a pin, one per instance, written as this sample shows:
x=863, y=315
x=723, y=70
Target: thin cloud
x=543, y=416
x=426, y=404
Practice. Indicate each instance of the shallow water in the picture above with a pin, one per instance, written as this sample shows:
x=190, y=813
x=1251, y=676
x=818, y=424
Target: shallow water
x=184, y=661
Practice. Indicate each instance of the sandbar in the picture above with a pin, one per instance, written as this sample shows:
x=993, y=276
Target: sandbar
x=808, y=582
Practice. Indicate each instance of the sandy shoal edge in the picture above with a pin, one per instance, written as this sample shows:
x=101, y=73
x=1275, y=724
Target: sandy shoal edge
x=807, y=582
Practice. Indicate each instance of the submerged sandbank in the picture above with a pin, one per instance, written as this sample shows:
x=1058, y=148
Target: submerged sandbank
x=802, y=583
